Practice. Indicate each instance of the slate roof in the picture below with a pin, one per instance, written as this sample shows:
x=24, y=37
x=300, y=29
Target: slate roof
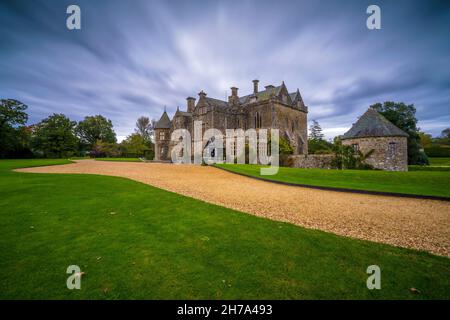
x=216, y=102
x=261, y=95
x=164, y=122
x=373, y=124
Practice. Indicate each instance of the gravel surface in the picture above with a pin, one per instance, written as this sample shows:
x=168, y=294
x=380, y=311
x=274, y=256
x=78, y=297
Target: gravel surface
x=411, y=223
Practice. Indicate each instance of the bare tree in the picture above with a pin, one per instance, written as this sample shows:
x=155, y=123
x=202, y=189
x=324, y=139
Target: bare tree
x=145, y=128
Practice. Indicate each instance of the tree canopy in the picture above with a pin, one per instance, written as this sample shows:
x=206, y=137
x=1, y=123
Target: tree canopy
x=14, y=136
x=94, y=128
x=55, y=137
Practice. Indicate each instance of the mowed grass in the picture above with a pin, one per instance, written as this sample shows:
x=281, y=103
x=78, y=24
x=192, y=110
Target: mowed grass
x=119, y=159
x=134, y=241
x=428, y=183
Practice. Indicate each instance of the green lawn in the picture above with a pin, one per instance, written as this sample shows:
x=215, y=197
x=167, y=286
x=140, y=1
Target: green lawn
x=412, y=182
x=139, y=242
x=439, y=161
x=119, y=159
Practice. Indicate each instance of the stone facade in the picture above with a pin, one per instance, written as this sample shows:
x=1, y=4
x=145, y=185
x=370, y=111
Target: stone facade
x=272, y=108
x=312, y=161
x=390, y=153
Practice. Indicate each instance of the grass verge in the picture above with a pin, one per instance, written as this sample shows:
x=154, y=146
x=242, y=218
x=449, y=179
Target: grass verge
x=135, y=241
x=424, y=183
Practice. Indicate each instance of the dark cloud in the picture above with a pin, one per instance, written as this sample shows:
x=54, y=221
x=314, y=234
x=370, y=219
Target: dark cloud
x=132, y=58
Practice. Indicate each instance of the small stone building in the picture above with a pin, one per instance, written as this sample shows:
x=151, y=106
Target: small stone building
x=272, y=108
x=372, y=131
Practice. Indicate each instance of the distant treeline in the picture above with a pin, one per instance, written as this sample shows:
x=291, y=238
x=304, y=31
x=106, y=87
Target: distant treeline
x=57, y=136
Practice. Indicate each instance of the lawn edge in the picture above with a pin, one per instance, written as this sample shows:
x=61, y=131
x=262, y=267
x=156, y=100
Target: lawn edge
x=348, y=190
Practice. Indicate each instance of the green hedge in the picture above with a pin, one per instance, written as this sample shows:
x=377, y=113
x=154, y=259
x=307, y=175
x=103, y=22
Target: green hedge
x=438, y=151
x=427, y=168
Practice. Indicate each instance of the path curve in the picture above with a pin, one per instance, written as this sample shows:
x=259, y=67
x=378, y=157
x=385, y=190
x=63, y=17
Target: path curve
x=411, y=223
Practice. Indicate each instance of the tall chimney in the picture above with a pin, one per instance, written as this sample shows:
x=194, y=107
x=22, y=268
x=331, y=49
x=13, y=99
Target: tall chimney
x=255, y=86
x=202, y=94
x=233, y=99
x=190, y=104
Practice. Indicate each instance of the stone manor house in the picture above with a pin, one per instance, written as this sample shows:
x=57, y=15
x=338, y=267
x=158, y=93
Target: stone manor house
x=274, y=107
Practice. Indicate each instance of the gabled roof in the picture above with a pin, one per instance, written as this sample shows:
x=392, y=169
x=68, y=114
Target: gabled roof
x=182, y=113
x=296, y=96
x=373, y=124
x=164, y=122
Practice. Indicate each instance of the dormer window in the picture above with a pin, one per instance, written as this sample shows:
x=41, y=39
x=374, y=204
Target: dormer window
x=161, y=136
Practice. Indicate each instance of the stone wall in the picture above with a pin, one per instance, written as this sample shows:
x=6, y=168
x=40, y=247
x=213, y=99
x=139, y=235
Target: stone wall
x=311, y=161
x=390, y=153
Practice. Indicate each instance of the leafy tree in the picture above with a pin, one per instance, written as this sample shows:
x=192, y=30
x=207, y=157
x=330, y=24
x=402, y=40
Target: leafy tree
x=404, y=117
x=425, y=139
x=94, y=128
x=135, y=145
x=102, y=149
x=14, y=138
x=445, y=133
x=12, y=113
x=55, y=137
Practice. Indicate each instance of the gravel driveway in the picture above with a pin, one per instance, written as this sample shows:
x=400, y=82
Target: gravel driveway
x=412, y=223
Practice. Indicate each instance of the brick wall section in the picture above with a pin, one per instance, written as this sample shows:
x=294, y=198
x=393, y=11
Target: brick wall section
x=390, y=153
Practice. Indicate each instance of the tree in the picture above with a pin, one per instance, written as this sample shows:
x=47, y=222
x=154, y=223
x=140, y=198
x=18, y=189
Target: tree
x=445, y=133
x=425, y=139
x=94, y=128
x=404, y=117
x=135, y=145
x=316, y=141
x=104, y=149
x=55, y=137
x=144, y=127
x=315, y=131
x=14, y=137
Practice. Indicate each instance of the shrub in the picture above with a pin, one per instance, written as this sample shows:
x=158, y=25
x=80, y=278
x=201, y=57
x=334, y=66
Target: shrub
x=438, y=151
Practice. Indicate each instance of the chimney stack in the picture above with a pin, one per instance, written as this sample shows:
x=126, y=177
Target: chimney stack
x=234, y=91
x=255, y=86
x=190, y=104
x=202, y=94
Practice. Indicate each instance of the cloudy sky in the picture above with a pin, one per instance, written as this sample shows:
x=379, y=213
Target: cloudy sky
x=132, y=58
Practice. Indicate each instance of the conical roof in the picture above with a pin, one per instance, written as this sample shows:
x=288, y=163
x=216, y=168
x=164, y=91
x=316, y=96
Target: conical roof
x=164, y=122
x=373, y=124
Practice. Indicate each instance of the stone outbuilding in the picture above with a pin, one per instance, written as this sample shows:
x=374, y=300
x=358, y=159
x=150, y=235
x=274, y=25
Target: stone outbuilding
x=372, y=131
